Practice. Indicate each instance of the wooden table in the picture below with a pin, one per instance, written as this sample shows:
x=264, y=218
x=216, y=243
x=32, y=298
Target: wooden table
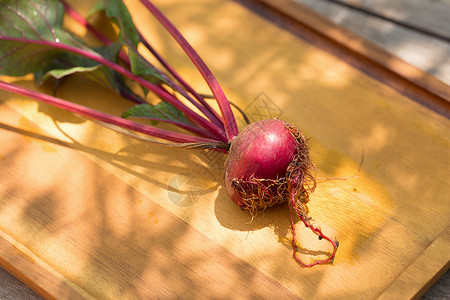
x=86, y=212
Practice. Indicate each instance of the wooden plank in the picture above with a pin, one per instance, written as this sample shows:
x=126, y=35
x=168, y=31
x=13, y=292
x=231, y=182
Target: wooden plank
x=36, y=273
x=13, y=288
x=426, y=47
x=117, y=231
x=429, y=15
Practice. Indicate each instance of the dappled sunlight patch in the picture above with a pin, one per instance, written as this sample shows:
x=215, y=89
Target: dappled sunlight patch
x=351, y=202
x=375, y=140
x=327, y=71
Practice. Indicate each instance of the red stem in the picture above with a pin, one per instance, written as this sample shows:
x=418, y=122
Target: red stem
x=104, y=117
x=213, y=116
x=159, y=91
x=80, y=19
x=229, y=120
x=206, y=109
x=192, y=128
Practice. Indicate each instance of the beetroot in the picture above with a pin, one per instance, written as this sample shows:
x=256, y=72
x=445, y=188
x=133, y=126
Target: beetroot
x=257, y=166
x=268, y=164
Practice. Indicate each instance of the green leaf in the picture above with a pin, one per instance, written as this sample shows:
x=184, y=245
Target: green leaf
x=100, y=6
x=140, y=67
x=115, y=79
x=162, y=110
x=41, y=20
x=38, y=20
x=60, y=73
x=129, y=37
x=22, y=61
x=65, y=64
x=35, y=20
x=110, y=52
x=118, y=13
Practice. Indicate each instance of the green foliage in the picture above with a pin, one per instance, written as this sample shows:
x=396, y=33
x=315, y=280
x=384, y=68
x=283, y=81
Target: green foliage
x=42, y=21
x=162, y=111
x=20, y=20
x=129, y=37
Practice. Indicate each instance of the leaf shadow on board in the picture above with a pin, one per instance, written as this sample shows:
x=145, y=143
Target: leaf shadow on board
x=135, y=153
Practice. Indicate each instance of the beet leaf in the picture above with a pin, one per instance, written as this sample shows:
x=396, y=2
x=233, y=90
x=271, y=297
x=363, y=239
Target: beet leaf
x=42, y=21
x=37, y=20
x=129, y=37
x=162, y=110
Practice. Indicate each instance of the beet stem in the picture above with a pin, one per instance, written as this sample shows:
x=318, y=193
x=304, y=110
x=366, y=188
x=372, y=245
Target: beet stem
x=159, y=91
x=104, y=117
x=210, y=113
x=80, y=19
x=205, y=108
x=231, y=129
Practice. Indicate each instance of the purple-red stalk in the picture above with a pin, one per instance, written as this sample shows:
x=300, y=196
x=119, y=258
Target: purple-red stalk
x=104, y=117
x=183, y=82
x=231, y=129
x=205, y=109
x=160, y=92
x=80, y=19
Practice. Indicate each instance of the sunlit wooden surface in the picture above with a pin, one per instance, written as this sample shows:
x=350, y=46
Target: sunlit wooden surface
x=86, y=212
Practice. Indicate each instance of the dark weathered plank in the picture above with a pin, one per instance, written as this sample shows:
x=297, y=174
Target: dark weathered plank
x=427, y=46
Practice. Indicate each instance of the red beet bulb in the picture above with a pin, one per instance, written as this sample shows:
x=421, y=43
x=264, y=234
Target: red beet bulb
x=268, y=164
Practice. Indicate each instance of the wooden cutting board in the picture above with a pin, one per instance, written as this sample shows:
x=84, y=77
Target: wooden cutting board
x=89, y=213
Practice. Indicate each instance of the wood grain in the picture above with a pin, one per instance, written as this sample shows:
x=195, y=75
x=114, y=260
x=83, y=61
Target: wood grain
x=109, y=216
x=13, y=288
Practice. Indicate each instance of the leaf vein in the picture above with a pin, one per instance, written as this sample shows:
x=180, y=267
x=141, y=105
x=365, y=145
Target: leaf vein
x=50, y=28
x=26, y=20
x=11, y=52
x=11, y=23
